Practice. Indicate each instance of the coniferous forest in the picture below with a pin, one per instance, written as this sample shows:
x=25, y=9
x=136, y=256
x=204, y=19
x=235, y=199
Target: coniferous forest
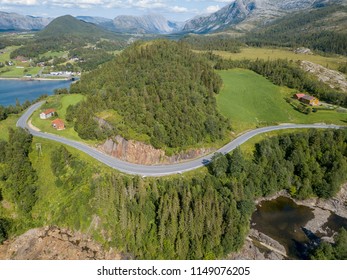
x=160, y=89
x=190, y=217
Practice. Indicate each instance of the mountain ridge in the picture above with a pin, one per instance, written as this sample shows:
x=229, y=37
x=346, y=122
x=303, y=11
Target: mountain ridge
x=14, y=21
x=245, y=15
x=239, y=15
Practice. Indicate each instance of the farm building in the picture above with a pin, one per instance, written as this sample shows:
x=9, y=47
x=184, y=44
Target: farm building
x=47, y=114
x=58, y=124
x=299, y=95
x=307, y=99
x=310, y=100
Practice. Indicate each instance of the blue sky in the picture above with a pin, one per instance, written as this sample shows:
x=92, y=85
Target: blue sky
x=178, y=10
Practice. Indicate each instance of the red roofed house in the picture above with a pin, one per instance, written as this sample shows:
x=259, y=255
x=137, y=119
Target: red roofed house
x=299, y=95
x=58, y=124
x=47, y=114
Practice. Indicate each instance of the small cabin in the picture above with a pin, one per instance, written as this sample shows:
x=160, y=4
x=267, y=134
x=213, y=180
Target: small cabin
x=47, y=114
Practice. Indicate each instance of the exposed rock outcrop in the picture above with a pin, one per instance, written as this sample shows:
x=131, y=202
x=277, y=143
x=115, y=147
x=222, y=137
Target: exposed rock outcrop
x=141, y=153
x=53, y=243
x=332, y=78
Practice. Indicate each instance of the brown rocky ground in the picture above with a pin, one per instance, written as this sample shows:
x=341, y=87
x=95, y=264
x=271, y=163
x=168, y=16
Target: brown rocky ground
x=53, y=243
x=141, y=153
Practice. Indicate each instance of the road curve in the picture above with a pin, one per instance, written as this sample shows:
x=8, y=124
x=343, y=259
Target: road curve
x=155, y=170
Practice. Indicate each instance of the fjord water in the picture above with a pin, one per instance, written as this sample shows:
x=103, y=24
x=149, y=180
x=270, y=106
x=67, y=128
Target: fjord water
x=10, y=90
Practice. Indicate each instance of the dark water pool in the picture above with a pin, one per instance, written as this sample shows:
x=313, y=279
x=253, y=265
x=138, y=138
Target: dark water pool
x=283, y=220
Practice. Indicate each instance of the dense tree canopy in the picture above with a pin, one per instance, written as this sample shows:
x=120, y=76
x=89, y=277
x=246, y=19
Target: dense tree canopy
x=17, y=173
x=336, y=251
x=320, y=29
x=160, y=89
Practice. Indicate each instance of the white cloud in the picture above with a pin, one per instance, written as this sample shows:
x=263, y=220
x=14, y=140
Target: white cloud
x=212, y=9
x=19, y=2
x=178, y=9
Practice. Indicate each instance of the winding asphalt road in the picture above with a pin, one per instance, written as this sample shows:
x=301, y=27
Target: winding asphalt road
x=155, y=170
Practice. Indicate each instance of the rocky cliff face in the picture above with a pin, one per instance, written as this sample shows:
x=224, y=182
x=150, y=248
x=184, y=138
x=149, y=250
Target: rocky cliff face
x=53, y=243
x=151, y=24
x=140, y=153
x=330, y=77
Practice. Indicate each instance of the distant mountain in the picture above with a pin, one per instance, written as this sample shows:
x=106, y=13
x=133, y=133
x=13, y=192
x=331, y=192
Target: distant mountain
x=244, y=15
x=146, y=24
x=100, y=21
x=323, y=28
x=70, y=26
x=13, y=21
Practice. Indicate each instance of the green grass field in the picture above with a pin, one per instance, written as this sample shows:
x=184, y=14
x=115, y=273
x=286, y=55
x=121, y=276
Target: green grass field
x=331, y=62
x=250, y=100
x=55, y=54
x=6, y=124
x=55, y=200
x=60, y=103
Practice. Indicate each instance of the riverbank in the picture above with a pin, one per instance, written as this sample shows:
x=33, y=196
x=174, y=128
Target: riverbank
x=259, y=246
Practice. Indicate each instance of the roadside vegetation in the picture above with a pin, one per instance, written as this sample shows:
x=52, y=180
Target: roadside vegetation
x=176, y=217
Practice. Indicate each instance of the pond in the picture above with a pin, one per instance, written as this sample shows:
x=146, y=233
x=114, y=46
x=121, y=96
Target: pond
x=284, y=221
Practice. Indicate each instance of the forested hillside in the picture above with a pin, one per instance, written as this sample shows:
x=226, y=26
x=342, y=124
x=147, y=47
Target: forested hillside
x=89, y=43
x=201, y=216
x=322, y=29
x=160, y=89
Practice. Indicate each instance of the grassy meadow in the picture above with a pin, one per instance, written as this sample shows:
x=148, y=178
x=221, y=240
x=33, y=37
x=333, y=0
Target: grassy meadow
x=10, y=122
x=60, y=103
x=250, y=100
x=252, y=53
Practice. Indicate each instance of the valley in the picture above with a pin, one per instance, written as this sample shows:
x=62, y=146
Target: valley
x=172, y=132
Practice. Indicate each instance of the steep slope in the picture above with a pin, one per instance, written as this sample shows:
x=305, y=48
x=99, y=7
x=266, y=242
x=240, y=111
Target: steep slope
x=323, y=29
x=146, y=24
x=13, y=21
x=231, y=14
x=245, y=15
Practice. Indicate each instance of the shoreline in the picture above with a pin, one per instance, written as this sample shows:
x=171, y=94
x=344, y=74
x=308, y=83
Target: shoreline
x=33, y=79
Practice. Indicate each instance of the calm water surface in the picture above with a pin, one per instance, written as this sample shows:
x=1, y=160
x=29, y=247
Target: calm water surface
x=283, y=220
x=10, y=90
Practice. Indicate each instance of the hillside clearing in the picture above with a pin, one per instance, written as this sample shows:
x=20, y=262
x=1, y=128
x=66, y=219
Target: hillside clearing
x=60, y=103
x=249, y=100
x=331, y=62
